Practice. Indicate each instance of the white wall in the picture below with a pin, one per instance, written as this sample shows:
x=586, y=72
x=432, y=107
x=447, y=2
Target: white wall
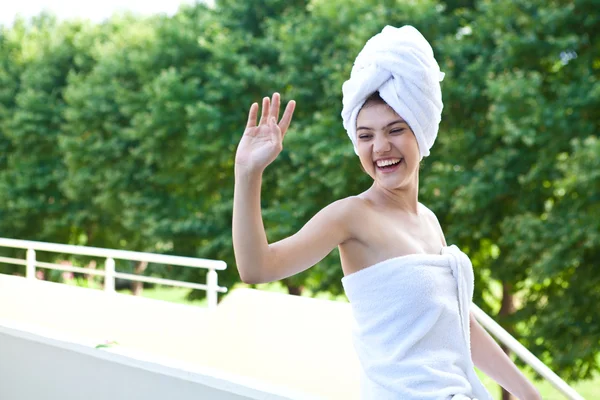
x=289, y=346
x=36, y=367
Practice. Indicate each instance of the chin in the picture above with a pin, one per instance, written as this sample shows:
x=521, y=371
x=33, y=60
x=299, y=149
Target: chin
x=391, y=184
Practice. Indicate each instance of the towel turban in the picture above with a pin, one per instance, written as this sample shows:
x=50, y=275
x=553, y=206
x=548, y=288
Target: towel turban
x=399, y=64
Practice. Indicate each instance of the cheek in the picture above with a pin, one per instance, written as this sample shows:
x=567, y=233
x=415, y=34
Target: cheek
x=366, y=165
x=365, y=161
x=409, y=145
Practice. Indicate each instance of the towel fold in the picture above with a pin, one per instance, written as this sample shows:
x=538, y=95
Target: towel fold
x=412, y=327
x=399, y=64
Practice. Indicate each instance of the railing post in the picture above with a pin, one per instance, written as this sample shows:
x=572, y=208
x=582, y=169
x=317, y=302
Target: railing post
x=212, y=283
x=109, y=275
x=30, y=270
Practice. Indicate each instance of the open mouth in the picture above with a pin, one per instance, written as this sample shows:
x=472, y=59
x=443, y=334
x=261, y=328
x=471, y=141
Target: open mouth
x=388, y=165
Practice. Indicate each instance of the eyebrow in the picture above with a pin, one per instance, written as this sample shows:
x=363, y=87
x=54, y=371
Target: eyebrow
x=398, y=121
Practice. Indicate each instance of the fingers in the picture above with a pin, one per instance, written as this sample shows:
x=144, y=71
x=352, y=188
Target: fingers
x=264, y=116
x=274, y=112
x=270, y=113
x=252, y=116
x=284, y=124
x=274, y=128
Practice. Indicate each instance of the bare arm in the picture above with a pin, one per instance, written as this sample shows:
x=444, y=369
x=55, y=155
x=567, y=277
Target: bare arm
x=489, y=357
x=257, y=261
x=249, y=238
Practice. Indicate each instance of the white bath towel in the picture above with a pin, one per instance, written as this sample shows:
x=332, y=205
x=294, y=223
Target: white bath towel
x=412, y=327
x=399, y=63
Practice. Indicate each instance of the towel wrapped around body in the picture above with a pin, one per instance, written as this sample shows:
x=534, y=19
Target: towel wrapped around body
x=412, y=327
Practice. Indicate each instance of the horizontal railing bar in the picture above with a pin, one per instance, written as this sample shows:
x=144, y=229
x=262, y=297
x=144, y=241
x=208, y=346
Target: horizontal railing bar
x=528, y=357
x=15, y=261
x=131, y=277
x=116, y=254
x=68, y=268
x=170, y=282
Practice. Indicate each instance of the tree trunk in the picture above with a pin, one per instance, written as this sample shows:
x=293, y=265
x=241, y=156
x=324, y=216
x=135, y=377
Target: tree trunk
x=294, y=290
x=138, y=287
x=507, y=308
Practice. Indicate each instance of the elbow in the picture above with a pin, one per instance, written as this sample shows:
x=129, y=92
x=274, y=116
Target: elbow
x=253, y=280
x=251, y=277
x=246, y=277
x=254, y=271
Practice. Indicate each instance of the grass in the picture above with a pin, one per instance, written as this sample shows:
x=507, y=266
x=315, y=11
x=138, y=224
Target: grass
x=158, y=292
x=168, y=293
x=588, y=389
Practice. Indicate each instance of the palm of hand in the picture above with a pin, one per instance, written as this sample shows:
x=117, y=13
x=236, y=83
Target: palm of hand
x=259, y=146
x=261, y=143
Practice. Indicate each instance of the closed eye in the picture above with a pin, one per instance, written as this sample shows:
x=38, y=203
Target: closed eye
x=364, y=136
x=399, y=130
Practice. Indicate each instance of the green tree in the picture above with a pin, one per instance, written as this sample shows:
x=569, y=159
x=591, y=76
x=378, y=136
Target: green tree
x=240, y=66
x=514, y=166
x=123, y=135
x=36, y=58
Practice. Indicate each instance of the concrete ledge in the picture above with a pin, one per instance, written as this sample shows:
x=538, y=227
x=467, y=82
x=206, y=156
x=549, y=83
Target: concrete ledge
x=34, y=366
x=269, y=343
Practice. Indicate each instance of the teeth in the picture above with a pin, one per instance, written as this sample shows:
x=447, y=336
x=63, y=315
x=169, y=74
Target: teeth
x=385, y=163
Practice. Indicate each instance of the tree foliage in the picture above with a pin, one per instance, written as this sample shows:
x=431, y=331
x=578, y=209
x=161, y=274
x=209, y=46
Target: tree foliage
x=522, y=112
x=123, y=135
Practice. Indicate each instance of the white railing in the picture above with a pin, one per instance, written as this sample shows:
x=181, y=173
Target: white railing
x=109, y=273
x=521, y=351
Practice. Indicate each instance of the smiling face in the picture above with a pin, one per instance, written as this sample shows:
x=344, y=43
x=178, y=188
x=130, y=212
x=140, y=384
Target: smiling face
x=386, y=145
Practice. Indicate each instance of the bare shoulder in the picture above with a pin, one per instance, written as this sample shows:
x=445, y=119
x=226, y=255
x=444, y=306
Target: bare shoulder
x=347, y=208
x=349, y=214
x=428, y=212
x=434, y=220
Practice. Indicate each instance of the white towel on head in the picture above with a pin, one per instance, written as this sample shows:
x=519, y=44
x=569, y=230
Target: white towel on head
x=412, y=327
x=399, y=64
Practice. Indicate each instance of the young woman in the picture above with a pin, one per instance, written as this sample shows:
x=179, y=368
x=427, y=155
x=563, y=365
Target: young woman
x=410, y=292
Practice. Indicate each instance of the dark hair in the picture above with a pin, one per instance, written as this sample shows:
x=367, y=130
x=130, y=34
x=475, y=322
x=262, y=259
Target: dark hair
x=374, y=98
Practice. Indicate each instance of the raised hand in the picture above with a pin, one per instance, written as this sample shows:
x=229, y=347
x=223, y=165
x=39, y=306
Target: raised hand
x=262, y=143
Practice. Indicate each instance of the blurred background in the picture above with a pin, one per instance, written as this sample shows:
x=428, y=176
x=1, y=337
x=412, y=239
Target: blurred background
x=119, y=123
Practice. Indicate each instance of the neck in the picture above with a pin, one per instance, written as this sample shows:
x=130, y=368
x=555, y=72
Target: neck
x=405, y=198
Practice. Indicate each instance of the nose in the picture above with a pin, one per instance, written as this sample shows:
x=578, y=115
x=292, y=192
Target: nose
x=381, y=144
